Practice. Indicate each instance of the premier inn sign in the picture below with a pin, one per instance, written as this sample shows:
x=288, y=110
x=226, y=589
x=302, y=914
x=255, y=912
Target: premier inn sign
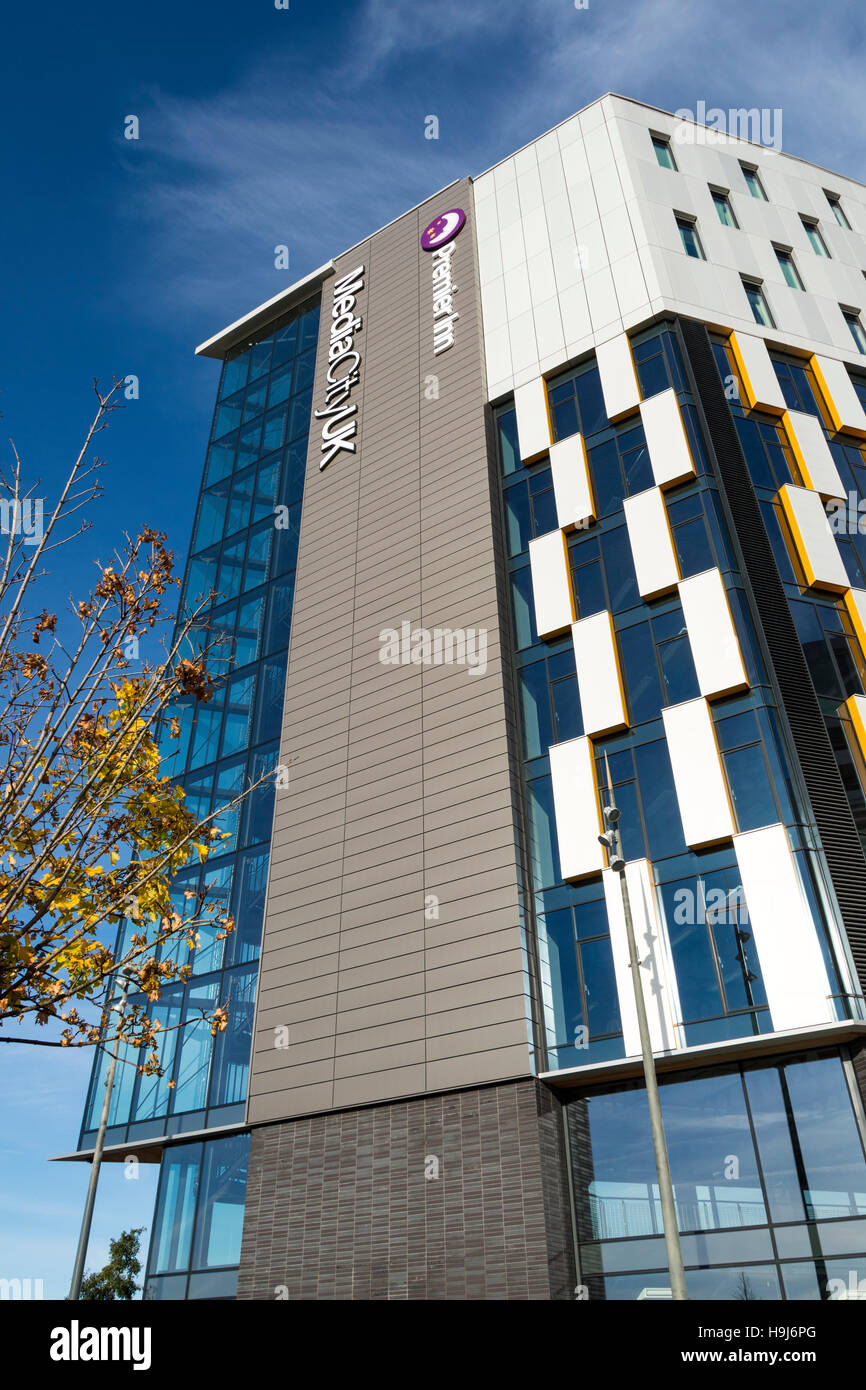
x=340, y=412
x=438, y=238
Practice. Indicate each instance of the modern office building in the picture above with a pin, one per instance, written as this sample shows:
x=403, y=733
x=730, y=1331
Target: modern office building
x=556, y=481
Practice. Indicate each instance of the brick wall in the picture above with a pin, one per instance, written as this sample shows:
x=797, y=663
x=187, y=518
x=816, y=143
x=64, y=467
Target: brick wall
x=339, y=1207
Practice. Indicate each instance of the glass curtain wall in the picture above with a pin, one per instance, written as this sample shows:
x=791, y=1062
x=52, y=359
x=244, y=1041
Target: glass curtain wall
x=833, y=654
x=718, y=969
x=244, y=547
x=769, y=1180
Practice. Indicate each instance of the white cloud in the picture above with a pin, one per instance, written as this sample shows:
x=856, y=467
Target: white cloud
x=317, y=155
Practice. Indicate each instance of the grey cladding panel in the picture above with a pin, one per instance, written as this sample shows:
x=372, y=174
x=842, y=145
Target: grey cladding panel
x=405, y=768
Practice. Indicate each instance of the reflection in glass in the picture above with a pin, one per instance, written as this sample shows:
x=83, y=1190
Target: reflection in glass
x=220, y=1218
x=175, y=1208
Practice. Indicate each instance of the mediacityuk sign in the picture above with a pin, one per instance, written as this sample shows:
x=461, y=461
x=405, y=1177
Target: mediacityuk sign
x=340, y=412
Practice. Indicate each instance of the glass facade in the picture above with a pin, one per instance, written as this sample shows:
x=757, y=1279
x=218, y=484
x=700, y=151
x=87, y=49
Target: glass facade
x=836, y=663
x=717, y=967
x=769, y=1179
x=244, y=549
x=195, y=1245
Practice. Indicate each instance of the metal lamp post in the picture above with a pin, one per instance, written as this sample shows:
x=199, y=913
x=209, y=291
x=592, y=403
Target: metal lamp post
x=611, y=841
x=96, y=1162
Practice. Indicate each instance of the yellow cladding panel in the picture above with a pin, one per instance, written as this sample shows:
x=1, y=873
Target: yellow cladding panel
x=855, y=605
x=855, y=708
x=814, y=542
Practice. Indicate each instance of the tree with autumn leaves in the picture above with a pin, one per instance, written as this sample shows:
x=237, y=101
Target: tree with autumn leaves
x=92, y=830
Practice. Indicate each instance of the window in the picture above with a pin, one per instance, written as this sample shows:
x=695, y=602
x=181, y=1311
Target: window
x=509, y=450
x=575, y=937
x=576, y=403
x=657, y=362
x=723, y=207
x=831, y=650
x=816, y=240
x=657, y=664
x=758, y=302
x=851, y=461
x=852, y=318
x=549, y=702
x=788, y=268
x=664, y=153
x=602, y=572
x=747, y=770
x=753, y=182
x=838, y=211
x=689, y=237
x=716, y=964
x=530, y=508
x=800, y=388
x=642, y=785
x=690, y=533
x=728, y=373
x=199, y=1217
x=767, y=451
x=800, y=1169
x=859, y=384
x=587, y=576
x=620, y=466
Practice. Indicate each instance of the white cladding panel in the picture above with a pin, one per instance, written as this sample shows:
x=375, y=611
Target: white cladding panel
x=813, y=538
x=578, y=244
x=786, y=941
x=575, y=807
x=652, y=549
x=571, y=485
x=598, y=680
x=702, y=793
x=844, y=403
x=759, y=376
x=551, y=586
x=712, y=635
x=813, y=455
x=659, y=997
x=533, y=423
x=666, y=439
x=618, y=380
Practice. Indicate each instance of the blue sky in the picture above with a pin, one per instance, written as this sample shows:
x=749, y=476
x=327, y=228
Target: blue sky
x=261, y=127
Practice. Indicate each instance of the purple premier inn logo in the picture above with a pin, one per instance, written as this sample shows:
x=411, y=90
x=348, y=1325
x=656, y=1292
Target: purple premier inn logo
x=442, y=229
x=438, y=238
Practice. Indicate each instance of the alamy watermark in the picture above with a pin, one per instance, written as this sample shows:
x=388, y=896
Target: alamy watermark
x=21, y=1289
x=438, y=646
x=847, y=517
x=23, y=516
x=762, y=125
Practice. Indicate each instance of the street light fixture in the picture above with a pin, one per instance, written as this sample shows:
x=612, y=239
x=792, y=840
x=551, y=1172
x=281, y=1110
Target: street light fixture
x=96, y=1162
